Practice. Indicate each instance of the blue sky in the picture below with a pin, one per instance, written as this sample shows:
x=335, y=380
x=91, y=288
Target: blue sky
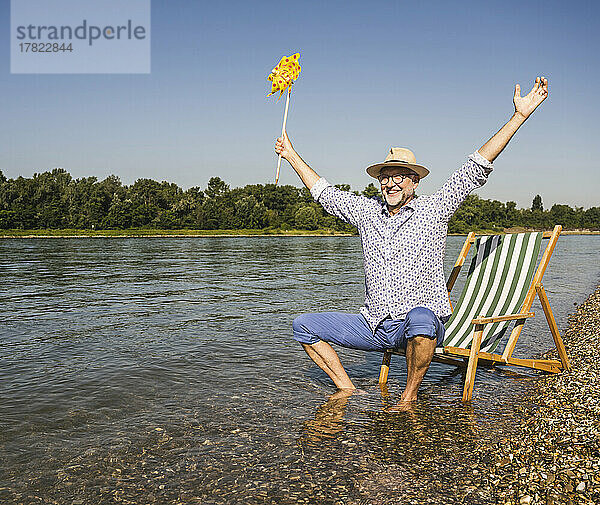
x=437, y=77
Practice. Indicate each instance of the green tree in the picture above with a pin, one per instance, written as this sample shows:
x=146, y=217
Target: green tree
x=250, y=213
x=166, y=220
x=371, y=191
x=537, y=204
x=512, y=214
x=591, y=218
x=119, y=215
x=306, y=218
x=187, y=206
x=279, y=197
x=467, y=216
x=217, y=210
x=564, y=215
x=18, y=196
x=8, y=219
x=216, y=188
x=273, y=219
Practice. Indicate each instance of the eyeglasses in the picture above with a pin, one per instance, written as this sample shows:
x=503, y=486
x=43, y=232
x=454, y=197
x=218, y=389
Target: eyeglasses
x=397, y=178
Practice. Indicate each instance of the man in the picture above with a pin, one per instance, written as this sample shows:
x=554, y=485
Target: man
x=403, y=240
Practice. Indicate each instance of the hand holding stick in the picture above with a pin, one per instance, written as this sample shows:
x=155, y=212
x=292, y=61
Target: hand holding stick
x=287, y=103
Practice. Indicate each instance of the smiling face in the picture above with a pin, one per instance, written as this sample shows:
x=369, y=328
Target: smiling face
x=398, y=186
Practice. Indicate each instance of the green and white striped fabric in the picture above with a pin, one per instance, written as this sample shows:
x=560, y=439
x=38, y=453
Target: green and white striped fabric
x=498, y=280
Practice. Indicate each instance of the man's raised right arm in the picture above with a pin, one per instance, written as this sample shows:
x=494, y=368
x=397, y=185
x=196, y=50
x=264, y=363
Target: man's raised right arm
x=284, y=147
x=343, y=204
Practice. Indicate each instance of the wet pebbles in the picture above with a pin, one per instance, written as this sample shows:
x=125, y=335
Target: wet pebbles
x=554, y=456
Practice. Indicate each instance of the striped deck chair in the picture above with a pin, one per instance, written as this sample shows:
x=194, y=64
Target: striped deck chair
x=500, y=288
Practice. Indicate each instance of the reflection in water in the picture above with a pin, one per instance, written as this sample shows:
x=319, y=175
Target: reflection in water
x=435, y=446
x=328, y=420
x=427, y=450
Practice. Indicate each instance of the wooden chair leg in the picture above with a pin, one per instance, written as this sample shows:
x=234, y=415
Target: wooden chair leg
x=385, y=393
x=385, y=367
x=472, y=366
x=562, y=352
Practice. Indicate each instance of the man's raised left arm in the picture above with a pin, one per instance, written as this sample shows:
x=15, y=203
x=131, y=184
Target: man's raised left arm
x=473, y=174
x=524, y=107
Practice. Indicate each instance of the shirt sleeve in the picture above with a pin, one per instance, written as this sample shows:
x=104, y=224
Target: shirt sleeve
x=472, y=175
x=343, y=204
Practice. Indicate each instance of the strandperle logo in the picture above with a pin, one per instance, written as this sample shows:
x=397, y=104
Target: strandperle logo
x=80, y=36
x=85, y=31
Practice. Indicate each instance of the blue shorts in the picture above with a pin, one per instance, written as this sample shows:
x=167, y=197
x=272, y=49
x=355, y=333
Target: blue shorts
x=353, y=331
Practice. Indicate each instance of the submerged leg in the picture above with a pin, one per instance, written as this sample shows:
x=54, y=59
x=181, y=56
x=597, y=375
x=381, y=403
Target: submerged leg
x=424, y=330
x=419, y=353
x=315, y=331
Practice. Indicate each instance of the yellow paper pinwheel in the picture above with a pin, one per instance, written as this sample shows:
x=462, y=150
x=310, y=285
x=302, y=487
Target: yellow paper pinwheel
x=284, y=74
x=282, y=77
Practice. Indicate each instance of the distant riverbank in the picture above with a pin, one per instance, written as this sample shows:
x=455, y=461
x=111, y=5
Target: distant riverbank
x=267, y=232
x=139, y=232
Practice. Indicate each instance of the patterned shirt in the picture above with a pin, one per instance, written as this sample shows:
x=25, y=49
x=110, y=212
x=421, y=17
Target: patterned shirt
x=404, y=253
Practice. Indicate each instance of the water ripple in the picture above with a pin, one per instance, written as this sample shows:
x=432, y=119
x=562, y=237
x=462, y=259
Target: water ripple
x=130, y=364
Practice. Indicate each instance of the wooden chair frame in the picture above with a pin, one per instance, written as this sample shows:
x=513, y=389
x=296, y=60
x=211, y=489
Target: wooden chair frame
x=471, y=357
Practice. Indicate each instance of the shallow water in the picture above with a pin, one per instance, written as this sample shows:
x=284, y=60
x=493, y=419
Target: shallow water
x=163, y=370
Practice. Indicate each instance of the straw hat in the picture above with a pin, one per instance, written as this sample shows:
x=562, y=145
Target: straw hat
x=398, y=157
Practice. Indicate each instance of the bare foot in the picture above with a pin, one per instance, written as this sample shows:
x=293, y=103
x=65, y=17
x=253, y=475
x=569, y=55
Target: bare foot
x=342, y=393
x=346, y=393
x=402, y=406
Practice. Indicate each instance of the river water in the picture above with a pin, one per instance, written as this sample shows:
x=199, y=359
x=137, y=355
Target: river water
x=162, y=370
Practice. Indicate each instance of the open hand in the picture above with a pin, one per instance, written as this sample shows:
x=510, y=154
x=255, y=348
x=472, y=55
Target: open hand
x=527, y=104
x=283, y=146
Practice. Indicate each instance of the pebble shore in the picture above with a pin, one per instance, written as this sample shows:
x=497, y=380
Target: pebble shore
x=554, y=457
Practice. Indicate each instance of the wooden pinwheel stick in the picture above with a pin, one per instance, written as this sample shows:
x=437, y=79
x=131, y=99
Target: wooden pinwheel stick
x=287, y=103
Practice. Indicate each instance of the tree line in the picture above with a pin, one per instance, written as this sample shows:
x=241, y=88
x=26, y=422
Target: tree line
x=54, y=200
